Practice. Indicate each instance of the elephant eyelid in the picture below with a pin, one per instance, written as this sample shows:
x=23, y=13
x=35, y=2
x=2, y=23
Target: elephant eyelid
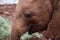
x=33, y=1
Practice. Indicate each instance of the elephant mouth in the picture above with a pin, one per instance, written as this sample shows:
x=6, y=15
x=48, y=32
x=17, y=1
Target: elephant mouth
x=36, y=28
x=31, y=27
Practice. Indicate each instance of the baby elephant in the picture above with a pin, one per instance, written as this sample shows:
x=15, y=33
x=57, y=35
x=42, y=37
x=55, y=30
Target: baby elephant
x=36, y=16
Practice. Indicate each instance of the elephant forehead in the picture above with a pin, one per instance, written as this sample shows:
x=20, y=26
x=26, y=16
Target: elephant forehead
x=29, y=3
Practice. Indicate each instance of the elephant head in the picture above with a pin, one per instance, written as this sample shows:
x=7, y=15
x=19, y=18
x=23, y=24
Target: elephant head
x=32, y=16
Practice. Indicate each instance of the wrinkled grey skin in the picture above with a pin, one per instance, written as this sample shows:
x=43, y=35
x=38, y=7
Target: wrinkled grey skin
x=43, y=17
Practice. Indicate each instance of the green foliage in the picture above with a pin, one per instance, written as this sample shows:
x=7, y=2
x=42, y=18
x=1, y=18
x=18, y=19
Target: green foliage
x=4, y=28
x=26, y=36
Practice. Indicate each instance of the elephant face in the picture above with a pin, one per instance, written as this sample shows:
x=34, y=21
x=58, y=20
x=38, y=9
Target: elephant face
x=35, y=14
x=32, y=16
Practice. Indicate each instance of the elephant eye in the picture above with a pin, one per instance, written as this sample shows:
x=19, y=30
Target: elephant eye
x=28, y=14
x=40, y=7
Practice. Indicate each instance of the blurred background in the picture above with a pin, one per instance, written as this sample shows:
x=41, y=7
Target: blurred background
x=7, y=9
